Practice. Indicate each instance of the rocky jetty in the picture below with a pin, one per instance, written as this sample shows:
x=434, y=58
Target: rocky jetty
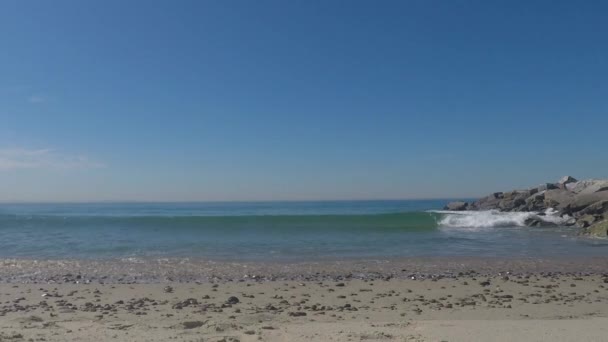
x=583, y=203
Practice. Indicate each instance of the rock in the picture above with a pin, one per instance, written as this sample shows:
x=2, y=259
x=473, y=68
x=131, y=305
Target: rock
x=232, y=300
x=511, y=204
x=565, y=180
x=533, y=222
x=584, y=203
x=185, y=303
x=581, y=201
x=488, y=202
x=597, y=208
x=522, y=195
x=509, y=195
x=535, y=202
x=599, y=229
x=546, y=186
x=192, y=324
x=586, y=221
x=558, y=198
x=588, y=186
x=536, y=222
x=456, y=206
x=514, y=200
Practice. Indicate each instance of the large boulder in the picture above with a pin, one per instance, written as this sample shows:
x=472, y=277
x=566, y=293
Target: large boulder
x=581, y=201
x=599, y=229
x=588, y=186
x=586, y=221
x=565, y=180
x=488, y=202
x=558, y=198
x=519, y=200
x=456, y=206
x=599, y=208
x=546, y=186
x=537, y=222
x=535, y=202
x=513, y=203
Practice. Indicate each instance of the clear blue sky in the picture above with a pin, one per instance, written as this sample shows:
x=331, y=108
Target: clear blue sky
x=273, y=100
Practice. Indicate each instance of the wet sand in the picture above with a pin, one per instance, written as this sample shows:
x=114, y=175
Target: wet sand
x=135, y=270
x=433, y=300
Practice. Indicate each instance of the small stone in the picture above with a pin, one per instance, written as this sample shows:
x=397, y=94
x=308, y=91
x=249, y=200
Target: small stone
x=192, y=324
x=232, y=300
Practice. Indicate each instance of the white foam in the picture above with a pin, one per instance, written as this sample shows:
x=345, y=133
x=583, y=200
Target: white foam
x=495, y=218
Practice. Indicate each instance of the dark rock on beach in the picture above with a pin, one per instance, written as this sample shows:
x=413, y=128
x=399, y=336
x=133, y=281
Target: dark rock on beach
x=581, y=203
x=232, y=300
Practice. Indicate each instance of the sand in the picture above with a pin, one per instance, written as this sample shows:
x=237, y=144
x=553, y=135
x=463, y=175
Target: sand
x=465, y=306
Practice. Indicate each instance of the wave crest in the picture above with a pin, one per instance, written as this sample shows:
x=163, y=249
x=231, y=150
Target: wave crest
x=495, y=218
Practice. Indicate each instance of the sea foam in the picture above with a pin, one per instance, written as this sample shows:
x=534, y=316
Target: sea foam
x=495, y=218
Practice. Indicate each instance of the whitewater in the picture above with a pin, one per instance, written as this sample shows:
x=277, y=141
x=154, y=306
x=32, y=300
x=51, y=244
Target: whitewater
x=495, y=218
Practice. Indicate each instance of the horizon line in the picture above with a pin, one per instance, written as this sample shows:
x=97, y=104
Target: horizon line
x=235, y=201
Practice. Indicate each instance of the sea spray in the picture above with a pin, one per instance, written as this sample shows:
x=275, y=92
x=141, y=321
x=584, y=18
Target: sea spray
x=495, y=218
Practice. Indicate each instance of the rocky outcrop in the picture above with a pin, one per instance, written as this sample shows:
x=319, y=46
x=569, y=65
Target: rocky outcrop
x=584, y=202
x=457, y=206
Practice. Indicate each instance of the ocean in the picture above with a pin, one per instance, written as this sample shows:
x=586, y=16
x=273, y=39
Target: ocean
x=278, y=231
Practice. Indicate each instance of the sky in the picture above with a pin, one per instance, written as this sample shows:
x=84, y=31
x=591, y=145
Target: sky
x=298, y=100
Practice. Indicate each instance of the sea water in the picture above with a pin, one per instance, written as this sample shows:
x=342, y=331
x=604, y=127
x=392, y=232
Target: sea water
x=282, y=231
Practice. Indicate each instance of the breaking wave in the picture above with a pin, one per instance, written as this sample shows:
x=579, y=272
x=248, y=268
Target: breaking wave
x=495, y=218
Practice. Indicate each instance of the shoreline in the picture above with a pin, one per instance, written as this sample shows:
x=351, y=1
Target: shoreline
x=191, y=270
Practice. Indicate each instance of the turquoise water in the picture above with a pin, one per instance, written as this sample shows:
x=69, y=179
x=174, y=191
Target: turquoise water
x=274, y=231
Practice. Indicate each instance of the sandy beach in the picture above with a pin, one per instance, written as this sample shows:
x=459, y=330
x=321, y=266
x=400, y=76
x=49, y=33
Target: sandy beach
x=476, y=302
x=290, y=171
